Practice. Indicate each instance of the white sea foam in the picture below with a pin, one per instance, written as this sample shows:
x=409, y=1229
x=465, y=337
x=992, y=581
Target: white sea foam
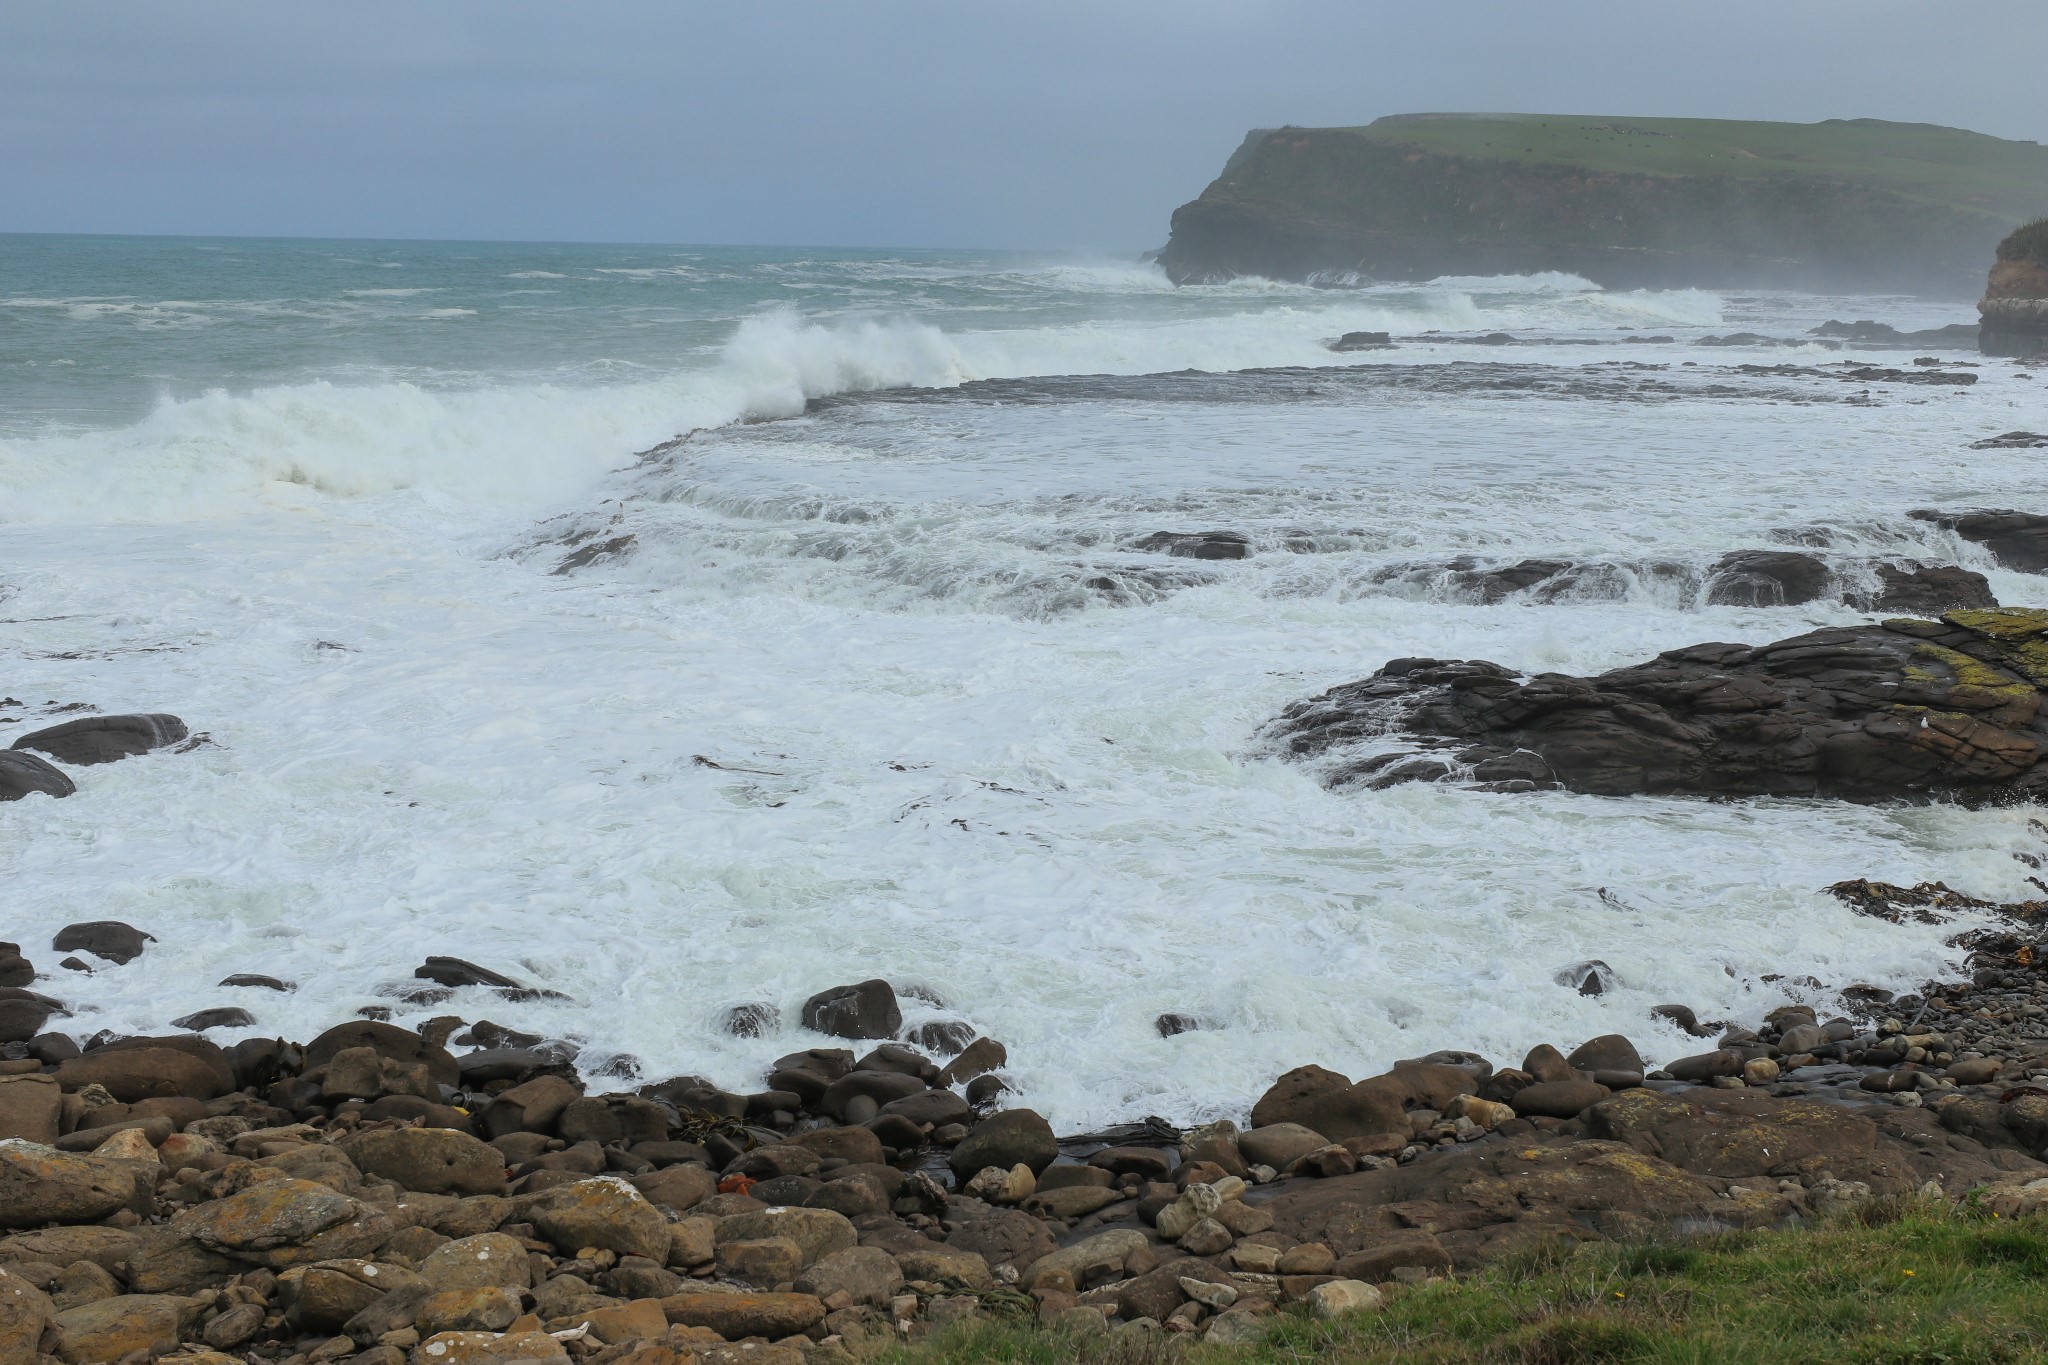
x=849, y=706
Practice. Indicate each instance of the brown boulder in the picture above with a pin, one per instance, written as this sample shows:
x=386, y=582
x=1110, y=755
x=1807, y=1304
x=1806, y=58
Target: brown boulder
x=1004, y=1237
x=606, y=1213
x=386, y=1040
x=1732, y=1134
x=736, y=1316
x=681, y=1187
x=97, y=1333
x=26, y=1316
x=30, y=1107
x=144, y=1068
x=42, y=1185
x=430, y=1160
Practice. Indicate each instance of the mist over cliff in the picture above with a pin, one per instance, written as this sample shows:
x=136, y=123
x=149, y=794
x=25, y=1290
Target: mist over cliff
x=1842, y=205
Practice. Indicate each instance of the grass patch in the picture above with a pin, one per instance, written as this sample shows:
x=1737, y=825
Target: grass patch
x=2029, y=243
x=1918, y=1285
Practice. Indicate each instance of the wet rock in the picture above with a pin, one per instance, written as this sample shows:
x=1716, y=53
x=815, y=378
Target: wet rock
x=1588, y=978
x=978, y=1058
x=429, y=1160
x=40, y=1185
x=1609, y=1052
x=1196, y=544
x=1766, y=578
x=1925, y=590
x=1362, y=341
x=1705, y=1066
x=753, y=1020
x=1906, y=709
x=27, y=775
x=23, y=1013
x=105, y=739
x=2017, y=540
x=1170, y=1025
x=108, y=938
x=944, y=1037
x=15, y=970
x=1011, y=1138
x=223, y=1017
x=267, y=983
x=865, y=1010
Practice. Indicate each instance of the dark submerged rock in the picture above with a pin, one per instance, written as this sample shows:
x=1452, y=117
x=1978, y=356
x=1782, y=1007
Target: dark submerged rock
x=226, y=1016
x=1196, y=544
x=1927, y=590
x=108, y=938
x=1766, y=578
x=1362, y=341
x=105, y=739
x=1908, y=709
x=25, y=775
x=865, y=1010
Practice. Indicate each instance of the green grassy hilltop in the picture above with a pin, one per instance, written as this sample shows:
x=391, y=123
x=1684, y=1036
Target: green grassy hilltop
x=1848, y=203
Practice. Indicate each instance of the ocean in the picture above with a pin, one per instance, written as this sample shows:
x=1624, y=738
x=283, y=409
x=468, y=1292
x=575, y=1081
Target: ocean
x=875, y=678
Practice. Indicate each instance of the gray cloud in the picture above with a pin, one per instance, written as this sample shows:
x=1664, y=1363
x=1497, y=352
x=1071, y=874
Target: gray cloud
x=890, y=122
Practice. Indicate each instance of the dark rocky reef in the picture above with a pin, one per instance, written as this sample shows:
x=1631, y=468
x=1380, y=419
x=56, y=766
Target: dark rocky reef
x=1910, y=709
x=2017, y=540
x=1839, y=205
x=2015, y=304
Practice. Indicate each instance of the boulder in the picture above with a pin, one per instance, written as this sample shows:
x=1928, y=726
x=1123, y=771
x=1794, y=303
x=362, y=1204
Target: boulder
x=1557, y=1099
x=1279, y=1145
x=23, y=1014
x=165, y=1261
x=1925, y=590
x=1102, y=1252
x=265, y=1216
x=387, y=1041
x=865, y=1010
x=30, y=1107
x=1907, y=709
x=41, y=1185
x=107, y=938
x=1766, y=578
x=1609, y=1052
x=1339, y=1297
x=321, y=1298
x=817, y=1233
x=429, y=1160
x=737, y=1316
x=490, y=1348
x=1004, y=1237
x=206, y=1071
x=1014, y=1137
x=679, y=1187
x=104, y=739
x=96, y=1333
x=489, y=1308
x=15, y=970
x=225, y=1016
x=27, y=775
x=26, y=1317
x=606, y=1213
x=485, y=1260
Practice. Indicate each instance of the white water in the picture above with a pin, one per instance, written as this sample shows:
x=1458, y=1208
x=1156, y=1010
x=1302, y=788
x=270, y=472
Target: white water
x=943, y=758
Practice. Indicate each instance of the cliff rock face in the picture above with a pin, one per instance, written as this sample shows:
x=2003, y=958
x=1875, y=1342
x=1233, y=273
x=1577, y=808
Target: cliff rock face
x=2015, y=303
x=1846, y=204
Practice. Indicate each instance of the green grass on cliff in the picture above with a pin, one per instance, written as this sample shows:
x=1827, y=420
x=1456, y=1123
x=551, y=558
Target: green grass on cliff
x=2029, y=243
x=1951, y=167
x=1922, y=1286
x=1947, y=165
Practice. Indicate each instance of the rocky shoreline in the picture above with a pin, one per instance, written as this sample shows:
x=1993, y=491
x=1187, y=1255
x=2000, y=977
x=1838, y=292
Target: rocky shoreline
x=461, y=1193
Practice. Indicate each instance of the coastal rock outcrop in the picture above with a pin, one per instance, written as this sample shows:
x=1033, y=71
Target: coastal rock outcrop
x=1910, y=709
x=2014, y=308
x=1843, y=204
x=25, y=775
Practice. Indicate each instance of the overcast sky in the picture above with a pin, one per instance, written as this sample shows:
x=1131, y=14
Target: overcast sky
x=872, y=122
